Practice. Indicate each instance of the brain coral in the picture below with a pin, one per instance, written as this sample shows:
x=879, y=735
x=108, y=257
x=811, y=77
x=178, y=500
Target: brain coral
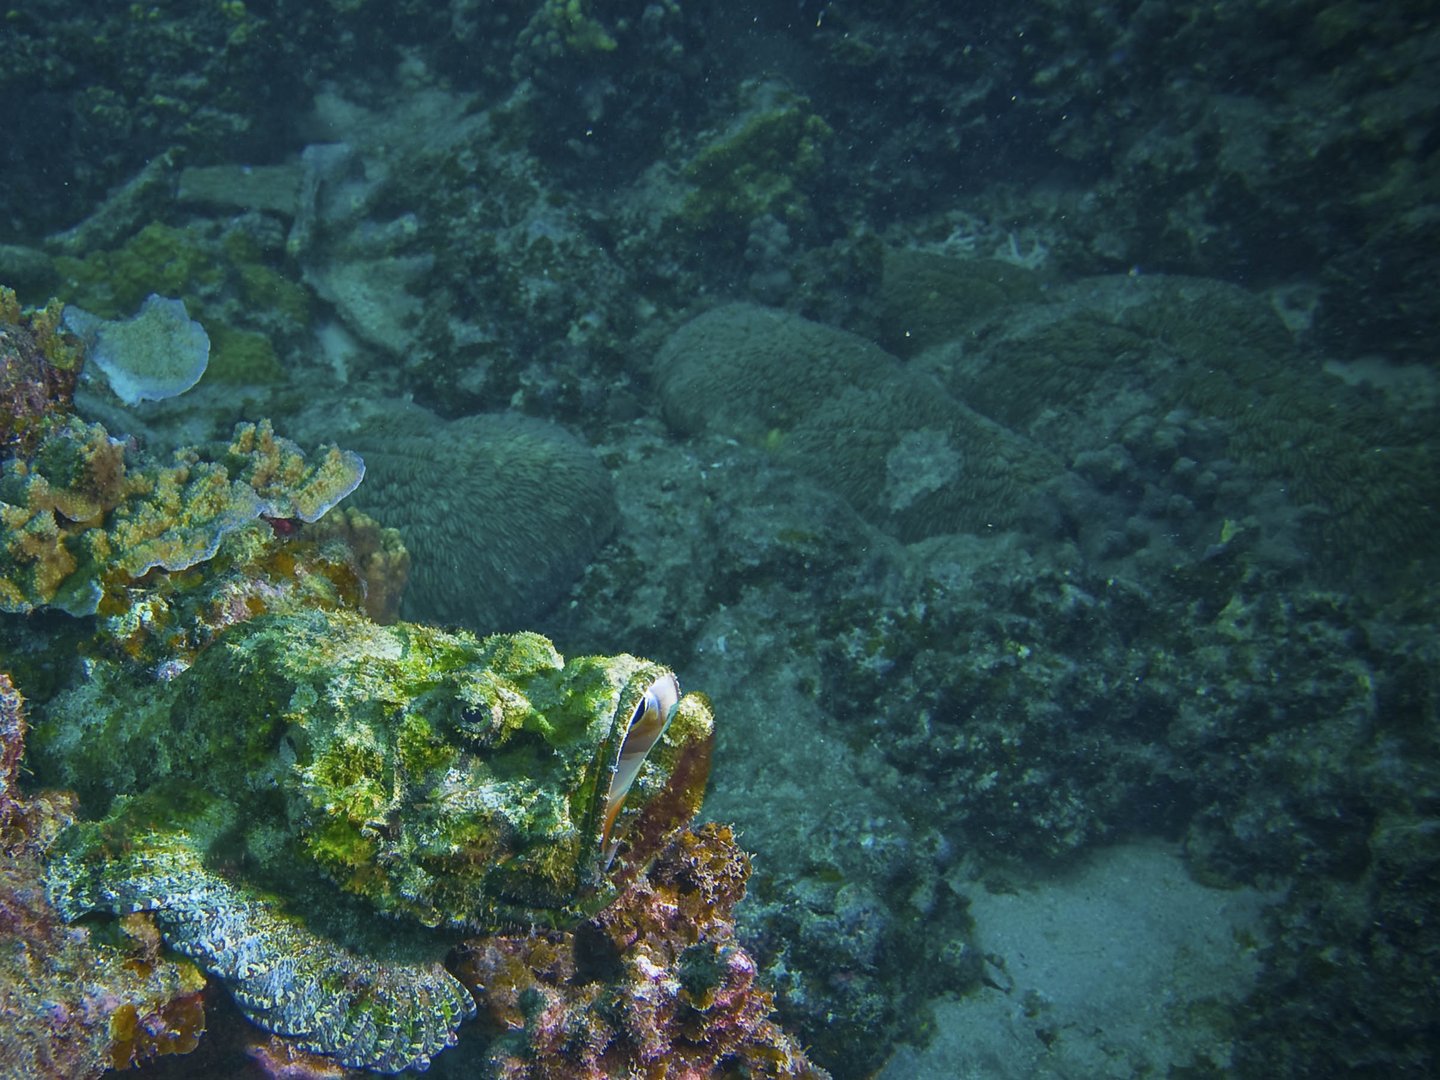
x=499, y=513
x=903, y=452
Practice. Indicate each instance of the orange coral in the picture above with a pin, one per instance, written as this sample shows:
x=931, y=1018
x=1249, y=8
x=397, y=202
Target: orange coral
x=378, y=556
x=83, y=522
x=287, y=483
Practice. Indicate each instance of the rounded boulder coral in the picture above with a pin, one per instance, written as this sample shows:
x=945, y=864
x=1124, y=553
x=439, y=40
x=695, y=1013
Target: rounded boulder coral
x=500, y=513
x=905, y=454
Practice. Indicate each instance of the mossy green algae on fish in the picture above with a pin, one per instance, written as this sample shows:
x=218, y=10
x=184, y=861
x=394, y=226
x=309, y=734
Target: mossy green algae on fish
x=453, y=781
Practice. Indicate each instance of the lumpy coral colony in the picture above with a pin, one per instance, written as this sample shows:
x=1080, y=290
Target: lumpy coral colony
x=317, y=809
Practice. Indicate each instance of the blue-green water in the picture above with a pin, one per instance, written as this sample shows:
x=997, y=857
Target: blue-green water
x=1019, y=420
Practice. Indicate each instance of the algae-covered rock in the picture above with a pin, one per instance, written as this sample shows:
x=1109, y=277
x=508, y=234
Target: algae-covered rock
x=446, y=780
x=157, y=259
x=763, y=163
x=243, y=357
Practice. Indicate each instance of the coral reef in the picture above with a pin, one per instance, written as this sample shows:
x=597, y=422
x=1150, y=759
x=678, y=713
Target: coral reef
x=1062, y=722
x=976, y=706
x=1194, y=175
x=656, y=985
x=1355, y=947
x=1236, y=394
x=849, y=915
x=485, y=292
x=95, y=525
x=839, y=408
x=453, y=781
x=1211, y=619
x=85, y=519
x=75, y=1001
x=477, y=493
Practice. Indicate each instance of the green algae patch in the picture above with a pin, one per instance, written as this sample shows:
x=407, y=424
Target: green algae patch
x=762, y=164
x=242, y=357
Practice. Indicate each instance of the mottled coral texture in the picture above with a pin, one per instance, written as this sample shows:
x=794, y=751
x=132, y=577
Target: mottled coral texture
x=500, y=512
x=74, y=1003
x=654, y=986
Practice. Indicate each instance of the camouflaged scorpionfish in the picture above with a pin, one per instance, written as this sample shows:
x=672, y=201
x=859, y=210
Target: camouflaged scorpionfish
x=451, y=782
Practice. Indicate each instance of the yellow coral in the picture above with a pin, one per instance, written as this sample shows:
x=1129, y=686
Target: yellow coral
x=75, y=511
x=289, y=485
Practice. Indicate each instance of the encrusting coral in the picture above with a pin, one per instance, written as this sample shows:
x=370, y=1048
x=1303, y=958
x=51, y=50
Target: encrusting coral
x=654, y=986
x=85, y=516
x=380, y=557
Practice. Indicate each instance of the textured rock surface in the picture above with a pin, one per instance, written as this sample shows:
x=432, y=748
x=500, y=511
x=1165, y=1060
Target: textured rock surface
x=905, y=454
